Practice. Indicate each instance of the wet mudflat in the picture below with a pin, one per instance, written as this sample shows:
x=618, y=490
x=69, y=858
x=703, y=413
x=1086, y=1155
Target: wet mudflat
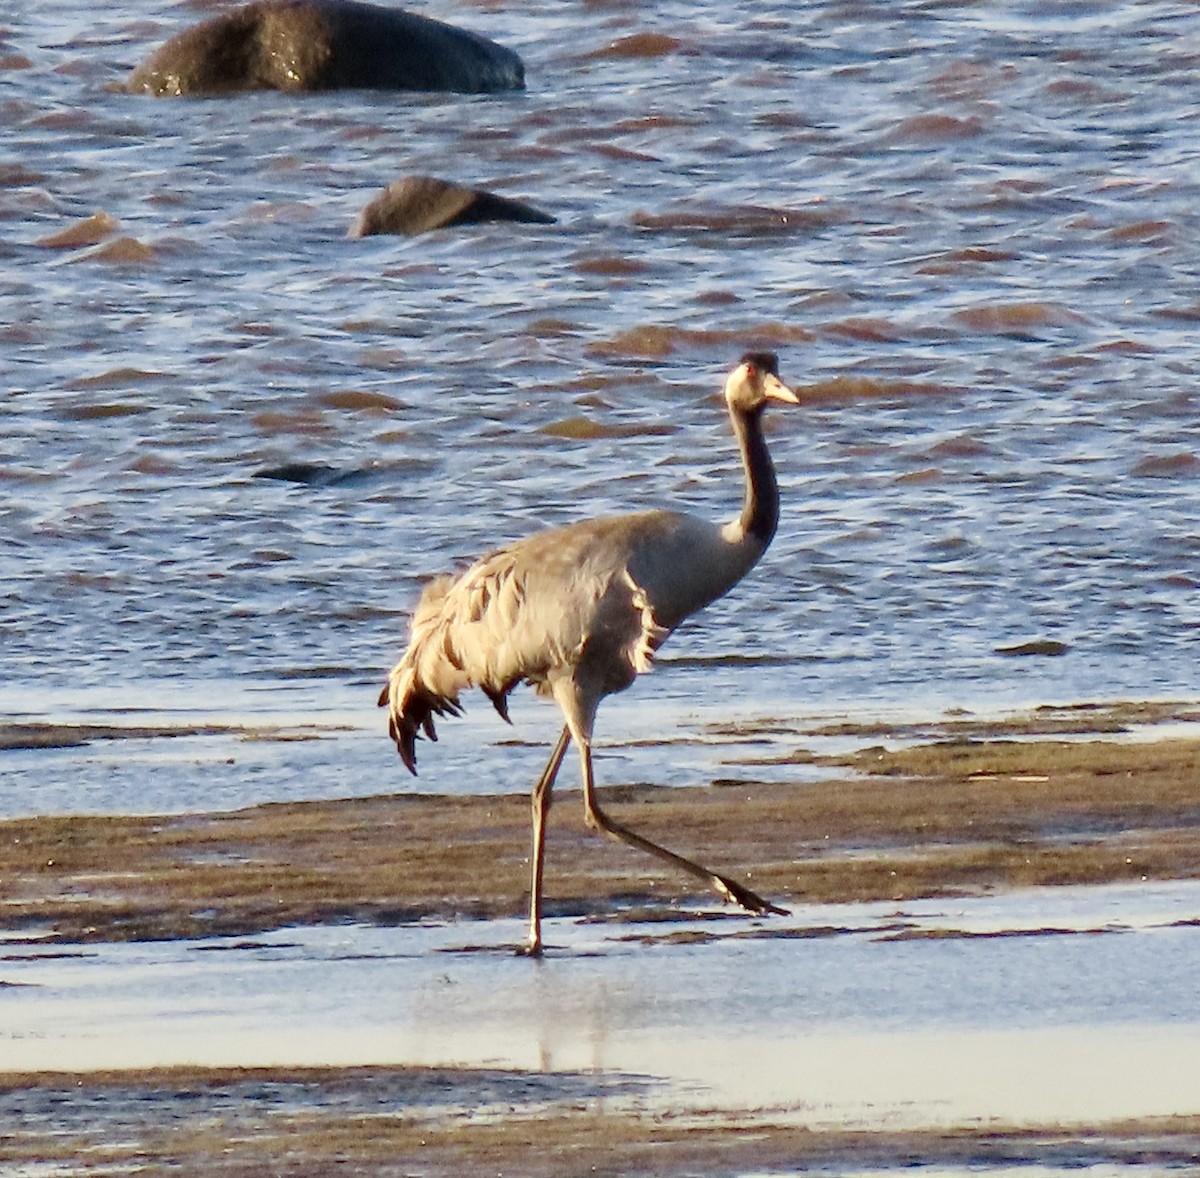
x=405, y=1122
x=889, y=816
x=989, y=965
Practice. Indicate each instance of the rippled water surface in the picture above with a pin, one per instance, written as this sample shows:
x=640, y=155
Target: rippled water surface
x=970, y=230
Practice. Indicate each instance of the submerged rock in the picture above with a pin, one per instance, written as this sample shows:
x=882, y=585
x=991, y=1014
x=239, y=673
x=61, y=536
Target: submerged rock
x=300, y=45
x=317, y=474
x=416, y=204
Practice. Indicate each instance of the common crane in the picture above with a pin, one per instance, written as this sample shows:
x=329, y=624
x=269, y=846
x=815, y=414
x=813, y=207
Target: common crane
x=578, y=612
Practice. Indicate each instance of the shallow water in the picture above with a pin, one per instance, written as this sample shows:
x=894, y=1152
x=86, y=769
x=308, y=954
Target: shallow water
x=1075, y=1005
x=971, y=231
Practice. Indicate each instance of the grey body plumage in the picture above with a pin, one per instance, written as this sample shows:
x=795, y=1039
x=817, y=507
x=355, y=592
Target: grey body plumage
x=579, y=611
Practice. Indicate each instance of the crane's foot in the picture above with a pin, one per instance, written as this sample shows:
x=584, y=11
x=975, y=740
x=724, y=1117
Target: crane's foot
x=751, y=901
x=532, y=948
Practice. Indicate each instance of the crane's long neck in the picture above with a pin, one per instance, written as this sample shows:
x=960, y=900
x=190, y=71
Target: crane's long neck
x=760, y=508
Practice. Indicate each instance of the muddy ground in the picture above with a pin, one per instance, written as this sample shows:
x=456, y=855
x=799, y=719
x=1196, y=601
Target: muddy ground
x=1058, y=796
x=399, y=1122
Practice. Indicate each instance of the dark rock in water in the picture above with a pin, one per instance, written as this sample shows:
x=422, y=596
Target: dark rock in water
x=312, y=474
x=300, y=45
x=1039, y=646
x=298, y=472
x=416, y=204
x=319, y=474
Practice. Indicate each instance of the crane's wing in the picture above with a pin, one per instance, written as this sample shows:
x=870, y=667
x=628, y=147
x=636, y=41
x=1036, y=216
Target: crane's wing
x=547, y=605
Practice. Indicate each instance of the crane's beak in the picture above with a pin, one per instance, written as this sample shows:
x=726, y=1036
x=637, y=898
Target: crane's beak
x=776, y=390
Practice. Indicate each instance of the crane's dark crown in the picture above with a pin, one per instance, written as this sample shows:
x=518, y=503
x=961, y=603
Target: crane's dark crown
x=766, y=361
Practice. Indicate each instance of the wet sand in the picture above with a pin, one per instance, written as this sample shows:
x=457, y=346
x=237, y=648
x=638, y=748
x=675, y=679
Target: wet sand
x=1058, y=796
x=403, y=1122
x=1075, y=796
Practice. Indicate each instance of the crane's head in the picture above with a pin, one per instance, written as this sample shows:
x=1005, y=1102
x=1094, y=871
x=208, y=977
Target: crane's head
x=755, y=381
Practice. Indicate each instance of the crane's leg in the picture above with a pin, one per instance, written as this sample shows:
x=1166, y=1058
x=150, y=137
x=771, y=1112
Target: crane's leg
x=541, y=807
x=598, y=820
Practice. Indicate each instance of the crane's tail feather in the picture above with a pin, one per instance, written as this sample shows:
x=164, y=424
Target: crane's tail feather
x=411, y=712
x=499, y=700
x=443, y=660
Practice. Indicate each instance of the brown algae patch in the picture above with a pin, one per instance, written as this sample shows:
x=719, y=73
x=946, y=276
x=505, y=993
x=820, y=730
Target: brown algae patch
x=952, y=815
x=88, y=231
x=1124, y=716
x=1016, y=318
x=848, y=387
x=652, y=341
x=645, y=45
x=44, y=735
x=64, y=736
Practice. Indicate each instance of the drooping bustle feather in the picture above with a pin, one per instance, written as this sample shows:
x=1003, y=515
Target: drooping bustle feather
x=544, y=606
